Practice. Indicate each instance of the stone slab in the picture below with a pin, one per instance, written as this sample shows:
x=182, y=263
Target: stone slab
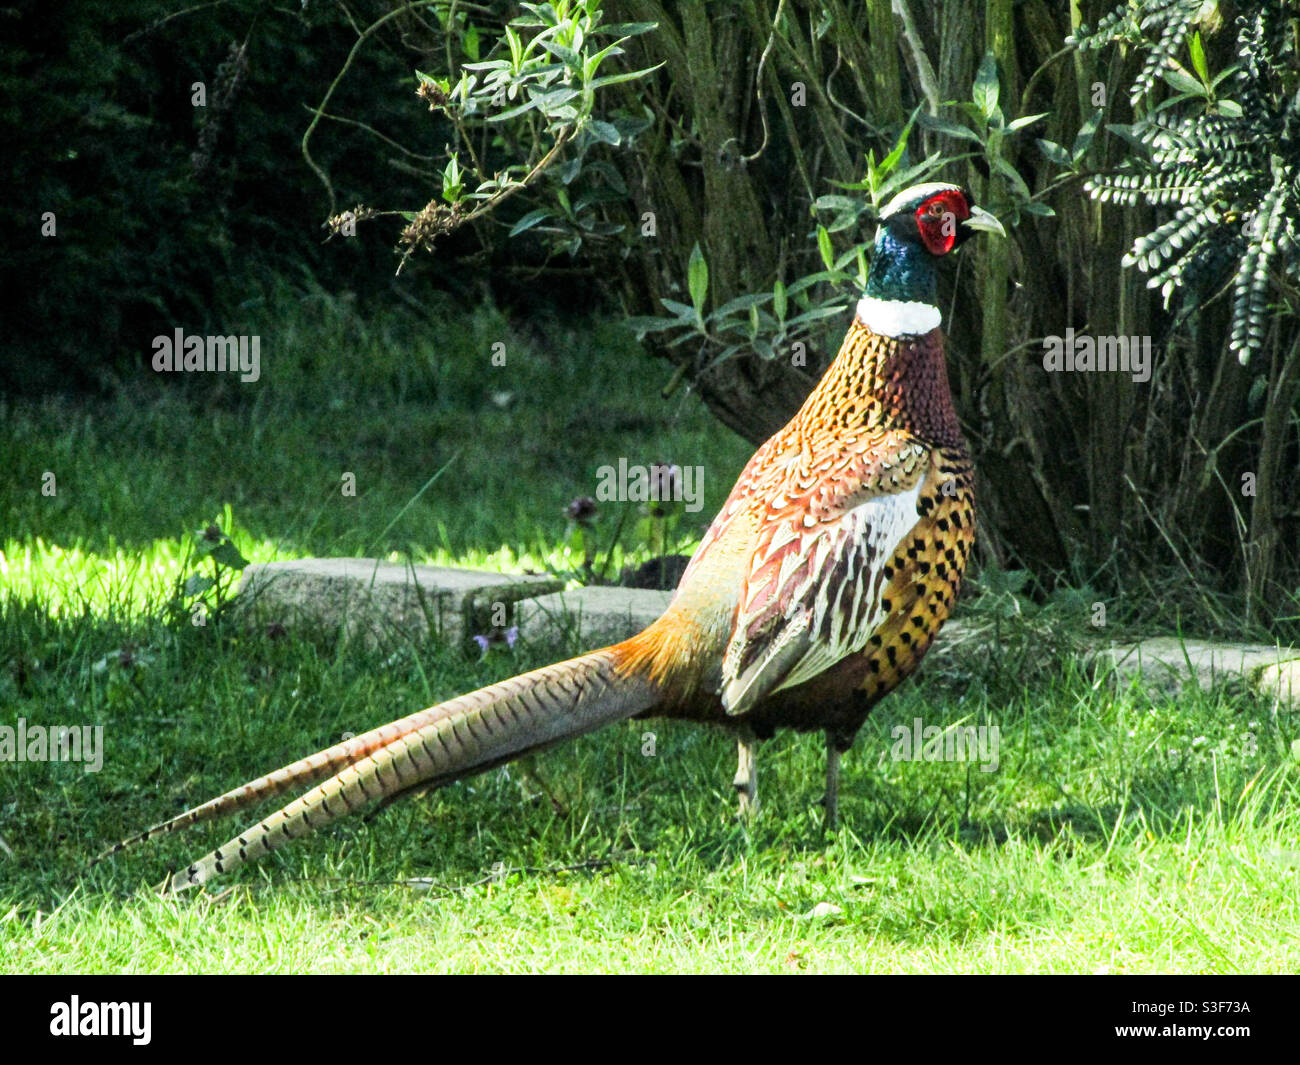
x=1168, y=662
x=379, y=601
x=597, y=615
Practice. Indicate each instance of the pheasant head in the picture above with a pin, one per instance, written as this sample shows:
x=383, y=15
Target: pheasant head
x=917, y=228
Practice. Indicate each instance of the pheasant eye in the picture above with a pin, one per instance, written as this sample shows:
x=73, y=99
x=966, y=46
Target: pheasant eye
x=935, y=209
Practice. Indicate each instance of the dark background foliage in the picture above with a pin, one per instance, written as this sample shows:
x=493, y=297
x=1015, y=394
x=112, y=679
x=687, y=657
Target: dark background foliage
x=170, y=214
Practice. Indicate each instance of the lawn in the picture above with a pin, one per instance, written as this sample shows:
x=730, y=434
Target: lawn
x=1122, y=830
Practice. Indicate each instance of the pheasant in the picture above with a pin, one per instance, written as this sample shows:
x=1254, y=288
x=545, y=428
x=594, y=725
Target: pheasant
x=816, y=590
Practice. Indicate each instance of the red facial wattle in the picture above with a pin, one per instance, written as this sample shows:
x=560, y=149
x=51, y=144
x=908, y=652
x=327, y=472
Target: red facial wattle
x=937, y=220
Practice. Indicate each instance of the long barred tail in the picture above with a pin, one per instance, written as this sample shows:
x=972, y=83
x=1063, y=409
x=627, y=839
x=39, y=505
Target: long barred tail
x=294, y=775
x=428, y=749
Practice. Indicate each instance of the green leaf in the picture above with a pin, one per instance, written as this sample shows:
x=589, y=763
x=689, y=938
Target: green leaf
x=564, y=54
x=603, y=229
x=779, y=302
x=516, y=47
x=742, y=303
x=1183, y=82
x=683, y=311
x=951, y=129
x=227, y=554
x=612, y=178
x=618, y=79
x=550, y=102
x=1197, y=50
x=453, y=184
x=836, y=203
x=197, y=584
x=901, y=179
x=985, y=90
x=1003, y=167
x=816, y=314
x=697, y=279
x=629, y=29
x=1127, y=131
x=1258, y=389
x=848, y=210
x=513, y=112
x=605, y=132
x=891, y=160
x=826, y=248
x=530, y=219
x=593, y=61
x=807, y=281
x=519, y=109
x=1024, y=120
x=1011, y=580
x=1054, y=152
x=1226, y=72
x=849, y=256
x=569, y=170
x=1083, y=139
x=643, y=324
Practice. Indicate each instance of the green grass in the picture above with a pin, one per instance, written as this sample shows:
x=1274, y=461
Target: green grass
x=1122, y=831
x=1091, y=848
x=393, y=404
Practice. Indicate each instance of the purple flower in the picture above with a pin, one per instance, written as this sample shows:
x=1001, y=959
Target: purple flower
x=665, y=487
x=495, y=638
x=582, y=510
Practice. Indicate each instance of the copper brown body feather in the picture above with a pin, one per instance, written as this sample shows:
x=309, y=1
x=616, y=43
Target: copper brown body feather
x=881, y=422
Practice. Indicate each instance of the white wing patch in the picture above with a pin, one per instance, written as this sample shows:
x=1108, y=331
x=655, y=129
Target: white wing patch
x=878, y=527
x=834, y=610
x=896, y=318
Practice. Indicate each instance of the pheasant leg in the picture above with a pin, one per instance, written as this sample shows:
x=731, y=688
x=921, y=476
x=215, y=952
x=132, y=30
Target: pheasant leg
x=831, y=800
x=746, y=779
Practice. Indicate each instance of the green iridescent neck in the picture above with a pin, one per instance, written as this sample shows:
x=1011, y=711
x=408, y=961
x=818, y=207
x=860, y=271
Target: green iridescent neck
x=901, y=270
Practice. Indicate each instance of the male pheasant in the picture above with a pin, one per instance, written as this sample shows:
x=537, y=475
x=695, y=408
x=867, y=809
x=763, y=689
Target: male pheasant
x=815, y=591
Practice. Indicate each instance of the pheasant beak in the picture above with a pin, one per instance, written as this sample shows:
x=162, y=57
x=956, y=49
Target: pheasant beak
x=983, y=220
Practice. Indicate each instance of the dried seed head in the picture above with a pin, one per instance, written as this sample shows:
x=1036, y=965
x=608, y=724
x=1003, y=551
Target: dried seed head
x=430, y=224
x=433, y=95
x=345, y=222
